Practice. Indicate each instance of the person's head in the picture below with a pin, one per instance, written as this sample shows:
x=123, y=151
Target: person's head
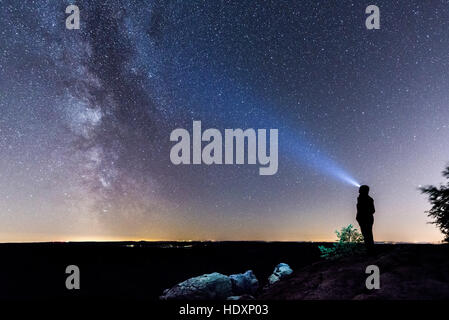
x=364, y=190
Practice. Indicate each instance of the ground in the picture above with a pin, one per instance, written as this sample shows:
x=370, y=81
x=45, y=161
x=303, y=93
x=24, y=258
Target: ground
x=407, y=272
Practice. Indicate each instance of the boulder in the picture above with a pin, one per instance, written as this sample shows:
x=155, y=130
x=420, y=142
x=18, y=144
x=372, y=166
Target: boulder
x=280, y=271
x=241, y=298
x=244, y=283
x=213, y=286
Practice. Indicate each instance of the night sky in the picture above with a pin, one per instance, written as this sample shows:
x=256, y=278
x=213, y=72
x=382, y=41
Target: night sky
x=86, y=117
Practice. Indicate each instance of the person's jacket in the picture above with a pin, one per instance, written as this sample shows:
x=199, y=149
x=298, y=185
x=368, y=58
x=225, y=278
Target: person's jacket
x=365, y=207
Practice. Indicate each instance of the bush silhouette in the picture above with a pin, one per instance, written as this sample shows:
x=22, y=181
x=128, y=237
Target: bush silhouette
x=439, y=199
x=349, y=243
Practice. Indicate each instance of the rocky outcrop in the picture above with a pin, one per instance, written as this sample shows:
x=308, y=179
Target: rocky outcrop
x=280, y=271
x=244, y=283
x=214, y=286
x=244, y=297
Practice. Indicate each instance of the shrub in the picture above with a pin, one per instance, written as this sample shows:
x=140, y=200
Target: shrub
x=349, y=242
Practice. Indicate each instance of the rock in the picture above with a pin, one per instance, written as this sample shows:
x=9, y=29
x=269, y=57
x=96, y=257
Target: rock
x=244, y=283
x=281, y=271
x=242, y=297
x=213, y=286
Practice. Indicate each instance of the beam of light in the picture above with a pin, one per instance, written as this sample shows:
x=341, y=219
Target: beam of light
x=296, y=146
x=343, y=176
x=234, y=105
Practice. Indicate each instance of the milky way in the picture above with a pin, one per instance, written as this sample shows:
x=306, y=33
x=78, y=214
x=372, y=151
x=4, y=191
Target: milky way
x=86, y=117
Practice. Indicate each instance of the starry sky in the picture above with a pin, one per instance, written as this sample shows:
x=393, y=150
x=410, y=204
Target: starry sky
x=86, y=117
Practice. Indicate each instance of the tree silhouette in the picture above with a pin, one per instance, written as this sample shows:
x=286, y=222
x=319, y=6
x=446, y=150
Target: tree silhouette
x=439, y=199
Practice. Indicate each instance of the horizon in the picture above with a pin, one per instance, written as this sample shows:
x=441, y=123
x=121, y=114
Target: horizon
x=205, y=241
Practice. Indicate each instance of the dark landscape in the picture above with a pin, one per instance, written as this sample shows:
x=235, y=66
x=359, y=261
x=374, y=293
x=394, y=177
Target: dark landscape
x=135, y=270
x=142, y=270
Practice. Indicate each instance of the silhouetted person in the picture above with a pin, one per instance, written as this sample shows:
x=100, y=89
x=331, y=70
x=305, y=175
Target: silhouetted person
x=365, y=217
